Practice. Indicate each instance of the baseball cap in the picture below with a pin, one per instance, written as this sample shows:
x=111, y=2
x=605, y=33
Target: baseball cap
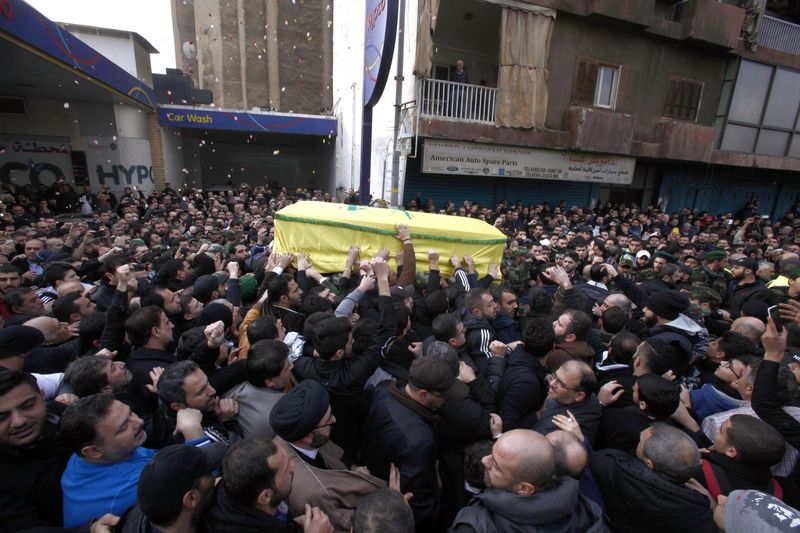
x=174, y=471
x=746, y=262
x=626, y=259
x=435, y=375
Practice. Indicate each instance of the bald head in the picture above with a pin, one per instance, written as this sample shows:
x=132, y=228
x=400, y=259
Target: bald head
x=751, y=327
x=570, y=454
x=616, y=299
x=523, y=461
x=54, y=331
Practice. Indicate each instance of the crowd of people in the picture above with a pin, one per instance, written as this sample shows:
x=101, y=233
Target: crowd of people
x=619, y=368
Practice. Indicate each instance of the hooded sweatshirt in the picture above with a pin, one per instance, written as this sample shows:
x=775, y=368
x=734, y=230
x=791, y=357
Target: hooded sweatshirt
x=560, y=508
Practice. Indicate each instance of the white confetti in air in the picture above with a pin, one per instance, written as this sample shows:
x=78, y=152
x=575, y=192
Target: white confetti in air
x=276, y=152
x=66, y=105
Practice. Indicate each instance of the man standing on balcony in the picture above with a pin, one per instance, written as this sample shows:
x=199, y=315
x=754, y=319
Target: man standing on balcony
x=459, y=75
x=458, y=106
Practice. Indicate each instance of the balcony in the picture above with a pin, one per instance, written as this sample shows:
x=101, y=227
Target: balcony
x=679, y=139
x=596, y=130
x=632, y=13
x=711, y=23
x=457, y=102
x=780, y=35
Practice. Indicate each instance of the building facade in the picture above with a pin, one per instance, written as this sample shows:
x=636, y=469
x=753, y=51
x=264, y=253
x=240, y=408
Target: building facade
x=680, y=103
x=75, y=102
x=268, y=65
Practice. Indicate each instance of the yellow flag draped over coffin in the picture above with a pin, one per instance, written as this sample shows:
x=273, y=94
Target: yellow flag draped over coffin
x=326, y=231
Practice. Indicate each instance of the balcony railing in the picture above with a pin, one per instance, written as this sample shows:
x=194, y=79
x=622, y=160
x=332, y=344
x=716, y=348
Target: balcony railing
x=780, y=35
x=460, y=102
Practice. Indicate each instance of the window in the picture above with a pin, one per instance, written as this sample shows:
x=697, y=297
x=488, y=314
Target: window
x=764, y=112
x=683, y=99
x=595, y=84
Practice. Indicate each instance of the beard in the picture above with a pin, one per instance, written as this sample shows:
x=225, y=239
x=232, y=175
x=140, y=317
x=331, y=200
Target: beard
x=650, y=321
x=319, y=440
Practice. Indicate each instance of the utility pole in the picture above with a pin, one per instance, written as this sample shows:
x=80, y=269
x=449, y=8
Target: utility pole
x=398, y=101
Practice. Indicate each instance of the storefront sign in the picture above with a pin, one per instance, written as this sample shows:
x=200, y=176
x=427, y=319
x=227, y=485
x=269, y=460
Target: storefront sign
x=24, y=161
x=220, y=119
x=119, y=162
x=446, y=157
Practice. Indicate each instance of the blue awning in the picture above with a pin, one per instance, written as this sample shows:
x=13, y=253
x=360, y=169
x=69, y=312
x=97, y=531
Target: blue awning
x=60, y=52
x=249, y=121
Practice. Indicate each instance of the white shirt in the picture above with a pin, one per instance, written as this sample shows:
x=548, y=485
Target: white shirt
x=308, y=453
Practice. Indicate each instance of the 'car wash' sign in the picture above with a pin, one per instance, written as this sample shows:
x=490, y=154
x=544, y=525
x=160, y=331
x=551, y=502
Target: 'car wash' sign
x=381, y=32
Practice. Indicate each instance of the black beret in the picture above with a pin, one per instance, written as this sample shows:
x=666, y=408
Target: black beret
x=668, y=304
x=213, y=313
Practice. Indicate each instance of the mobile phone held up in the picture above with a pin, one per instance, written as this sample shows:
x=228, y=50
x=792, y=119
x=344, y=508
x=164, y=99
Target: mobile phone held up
x=775, y=314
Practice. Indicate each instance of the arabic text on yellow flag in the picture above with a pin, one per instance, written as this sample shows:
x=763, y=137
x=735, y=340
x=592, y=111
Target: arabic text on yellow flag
x=326, y=231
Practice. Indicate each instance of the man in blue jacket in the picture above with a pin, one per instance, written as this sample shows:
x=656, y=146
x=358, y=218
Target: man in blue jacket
x=105, y=437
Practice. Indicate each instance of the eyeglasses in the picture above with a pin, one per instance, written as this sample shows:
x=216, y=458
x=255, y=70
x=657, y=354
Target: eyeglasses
x=555, y=380
x=729, y=366
x=331, y=421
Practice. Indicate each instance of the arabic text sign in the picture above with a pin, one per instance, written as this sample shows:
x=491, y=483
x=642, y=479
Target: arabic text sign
x=445, y=157
x=113, y=162
x=34, y=161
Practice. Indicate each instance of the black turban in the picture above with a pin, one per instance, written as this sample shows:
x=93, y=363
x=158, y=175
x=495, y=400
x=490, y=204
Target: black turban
x=299, y=411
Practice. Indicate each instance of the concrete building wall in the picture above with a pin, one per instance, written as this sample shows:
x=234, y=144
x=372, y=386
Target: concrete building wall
x=183, y=30
x=254, y=27
x=646, y=63
x=304, y=64
x=249, y=60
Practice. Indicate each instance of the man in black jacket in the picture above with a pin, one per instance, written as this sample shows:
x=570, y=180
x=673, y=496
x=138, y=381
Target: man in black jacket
x=648, y=492
x=522, y=494
x=655, y=399
x=523, y=387
x=571, y=393
x=257, y=478
x=744, y=450
x=401, y=429
x=343, y=376
x=746, y=287
x=184, y=385
x=32, y=456
x=479, y=310
x=150, y=333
